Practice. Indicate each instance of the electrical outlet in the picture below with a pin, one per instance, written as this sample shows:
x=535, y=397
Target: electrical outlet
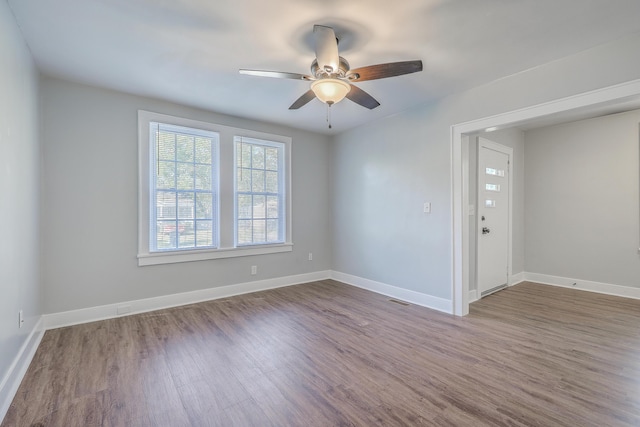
x=426, y=207
x=310, y=256
x=254, y=270
x=20, y=319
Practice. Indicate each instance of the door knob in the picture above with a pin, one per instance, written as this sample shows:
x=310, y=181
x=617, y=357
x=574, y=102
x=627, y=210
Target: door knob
x=485, y=230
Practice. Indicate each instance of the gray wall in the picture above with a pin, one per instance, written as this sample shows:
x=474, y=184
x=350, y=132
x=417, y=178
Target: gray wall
x=367, y=187
x=582, y=200
x=384, y=171
x=19, y=191
x=90, y=203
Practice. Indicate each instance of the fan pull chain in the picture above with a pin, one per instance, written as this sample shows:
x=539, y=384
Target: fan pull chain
x=329, y=114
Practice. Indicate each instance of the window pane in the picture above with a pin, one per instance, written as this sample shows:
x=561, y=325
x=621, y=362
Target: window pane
x=272, y=206
x=243, y=155
x=271, y=182
x=186, y=174
x=165, y=205
x=166, y=145
x=272, y=230
x=186, y=205
x=271, y=155
x=204, y=205
x=244, y=232
x=166, y=234
x=257, y=157
x=186, y=234
x=257, y=181
x=204, y=234
x=166, y=174
x=259, y=231
x=185, y=147
x=244, y=206
x=243, y=180
x=494, y=172
x=259, y=208
x=203, y=150
x=203, y=177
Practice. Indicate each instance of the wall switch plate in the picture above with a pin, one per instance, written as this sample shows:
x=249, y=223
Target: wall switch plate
x=426, y=208
x=20, y=319
x=310, y=256
x=254, y=270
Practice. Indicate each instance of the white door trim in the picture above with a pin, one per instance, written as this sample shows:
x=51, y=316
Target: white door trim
x=484, y=142
x=460, y=169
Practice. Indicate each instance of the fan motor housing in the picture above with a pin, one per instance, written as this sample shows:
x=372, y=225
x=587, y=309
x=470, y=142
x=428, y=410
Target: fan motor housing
x=319, y=73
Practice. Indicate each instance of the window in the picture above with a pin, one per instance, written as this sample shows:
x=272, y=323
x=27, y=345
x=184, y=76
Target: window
x=209, y=191
x=183, y=188
x=259, y=192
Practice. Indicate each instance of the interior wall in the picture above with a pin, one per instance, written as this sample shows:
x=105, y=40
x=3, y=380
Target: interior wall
x=513, y=138
x=90, y=144
x=385, y=170
x=19, y=192
x=582, y=188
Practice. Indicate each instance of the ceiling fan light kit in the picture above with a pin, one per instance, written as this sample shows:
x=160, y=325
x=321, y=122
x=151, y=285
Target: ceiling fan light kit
x=331, y=76
x=329, y=90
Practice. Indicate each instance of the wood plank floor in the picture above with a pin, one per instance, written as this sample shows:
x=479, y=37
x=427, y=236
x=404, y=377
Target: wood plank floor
x=325, y=354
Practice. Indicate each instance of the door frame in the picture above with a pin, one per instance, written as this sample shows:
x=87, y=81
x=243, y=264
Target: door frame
x=484, y=142
x=594, y=99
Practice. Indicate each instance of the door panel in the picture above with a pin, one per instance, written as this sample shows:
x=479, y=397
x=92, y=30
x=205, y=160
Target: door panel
x=493, y=217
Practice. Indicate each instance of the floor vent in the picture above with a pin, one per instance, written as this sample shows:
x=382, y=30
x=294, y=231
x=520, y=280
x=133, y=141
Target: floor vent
x=399, y=302
x=492, y=290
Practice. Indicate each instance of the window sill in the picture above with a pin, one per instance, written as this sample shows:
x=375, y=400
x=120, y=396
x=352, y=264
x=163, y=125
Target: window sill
x=206, y=254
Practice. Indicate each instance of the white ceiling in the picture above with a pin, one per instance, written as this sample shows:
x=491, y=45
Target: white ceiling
x=189, y=51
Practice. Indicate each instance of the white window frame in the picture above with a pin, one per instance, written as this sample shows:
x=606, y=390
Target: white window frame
x=214, y=190
x=226, y=220
x=282, y=194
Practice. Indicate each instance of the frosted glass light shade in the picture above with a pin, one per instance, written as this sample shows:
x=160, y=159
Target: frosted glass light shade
x=330, y=91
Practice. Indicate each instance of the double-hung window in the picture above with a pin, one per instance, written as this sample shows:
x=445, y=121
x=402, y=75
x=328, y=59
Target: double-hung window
x=184, y=189
x=260, y=196
x=209, y=191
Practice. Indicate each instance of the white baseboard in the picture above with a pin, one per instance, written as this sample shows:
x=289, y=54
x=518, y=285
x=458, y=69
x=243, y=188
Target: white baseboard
x=584, y=285
x=473, y=295
x=11, y=381
x=109, y=311
x=413, y=297
x=516, y=278
x=92, y=314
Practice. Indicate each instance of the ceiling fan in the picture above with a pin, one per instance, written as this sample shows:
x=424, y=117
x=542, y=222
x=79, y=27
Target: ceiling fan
x=331, y=76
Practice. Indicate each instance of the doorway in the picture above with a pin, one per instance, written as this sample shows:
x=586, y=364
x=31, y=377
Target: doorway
x=494, y=216
x=588, y=104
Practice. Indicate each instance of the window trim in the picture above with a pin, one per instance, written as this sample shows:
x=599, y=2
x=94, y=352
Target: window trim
x=226, y=204
x=282, y=191
x=215, y=167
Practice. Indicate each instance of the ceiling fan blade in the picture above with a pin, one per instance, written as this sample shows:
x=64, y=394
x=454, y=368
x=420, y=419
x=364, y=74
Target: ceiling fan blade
x=303, y=100
x=361, y=97
x=276, y=74
x=381, y=71
x=326, y=48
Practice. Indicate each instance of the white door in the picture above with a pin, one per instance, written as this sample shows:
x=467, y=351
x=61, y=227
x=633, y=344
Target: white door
x=493, y=239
